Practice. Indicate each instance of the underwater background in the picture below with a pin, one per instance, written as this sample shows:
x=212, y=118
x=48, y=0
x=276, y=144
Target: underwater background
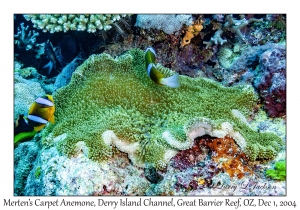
x=186, y=104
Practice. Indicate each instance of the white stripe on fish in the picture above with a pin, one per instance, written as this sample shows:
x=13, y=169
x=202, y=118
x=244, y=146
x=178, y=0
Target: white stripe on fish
x=44, y=101
x=37, y=119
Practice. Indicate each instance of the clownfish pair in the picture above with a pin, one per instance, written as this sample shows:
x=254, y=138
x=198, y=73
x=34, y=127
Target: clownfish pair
x=155, y=75
x=41, y=112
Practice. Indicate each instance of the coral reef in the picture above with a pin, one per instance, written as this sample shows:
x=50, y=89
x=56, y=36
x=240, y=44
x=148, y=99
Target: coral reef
x=228, y=155
x=263, y=123
x=25, y=92
x=222, y=132
x=232, y=25
x=25, y=39
x=235, y=26
x=190, y=182
x=183, y=182
x=168, y=23
x=26, y=73
x=151, y=174
x=58, y=175
x=265, y=67
x=196, y=177
x=32, y=75
x=80, y=22
x=65, y=76
x=246, y=66
x=226, y=56
x=216, y=39
x=24, y=158
x=115, y=103
x=271, y=80
x=193, y=30
x=222, y=151
x=271, y=30
x=190, y=157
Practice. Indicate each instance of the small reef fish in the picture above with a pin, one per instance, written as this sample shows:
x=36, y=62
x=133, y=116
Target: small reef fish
x=41, y=112
x=22, y=131
x=51, y=66
x=155, y=75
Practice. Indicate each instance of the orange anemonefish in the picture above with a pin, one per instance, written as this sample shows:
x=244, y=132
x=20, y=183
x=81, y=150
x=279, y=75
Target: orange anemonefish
x=155, y=75
x=41, y=112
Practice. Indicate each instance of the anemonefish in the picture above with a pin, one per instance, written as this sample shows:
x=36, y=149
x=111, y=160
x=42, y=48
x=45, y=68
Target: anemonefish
x=41, y=112
x=155, y=75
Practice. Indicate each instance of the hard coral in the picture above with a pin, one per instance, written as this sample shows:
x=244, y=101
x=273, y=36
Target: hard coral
x=25, y=38
x=24, y=157
x=216, y=39
x=112, y=102
x=65, y=22
x=168, y=23
x=235, y=26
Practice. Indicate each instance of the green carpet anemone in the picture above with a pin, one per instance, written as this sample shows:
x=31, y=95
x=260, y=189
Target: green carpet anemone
x=112, y=102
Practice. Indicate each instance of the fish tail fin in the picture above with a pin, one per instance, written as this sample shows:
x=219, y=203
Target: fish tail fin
x=49, y=67
x=172, y=81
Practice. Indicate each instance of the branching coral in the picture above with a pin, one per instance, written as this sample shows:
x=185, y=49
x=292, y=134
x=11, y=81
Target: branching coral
x=235, y=26
x=216, y=39
x=80, y=22
x=113, y=102
x=25, y=38
x=231, y=25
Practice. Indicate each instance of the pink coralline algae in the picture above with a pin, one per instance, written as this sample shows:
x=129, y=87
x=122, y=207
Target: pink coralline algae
x=271, y=81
